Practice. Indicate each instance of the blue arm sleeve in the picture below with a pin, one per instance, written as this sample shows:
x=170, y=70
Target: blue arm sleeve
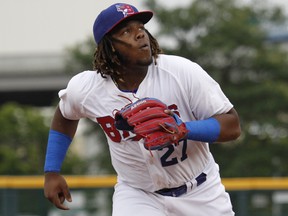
x=58, y=144
x=207, y=130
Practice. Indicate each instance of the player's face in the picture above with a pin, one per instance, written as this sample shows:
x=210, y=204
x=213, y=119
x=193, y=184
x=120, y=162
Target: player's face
x=132, y=44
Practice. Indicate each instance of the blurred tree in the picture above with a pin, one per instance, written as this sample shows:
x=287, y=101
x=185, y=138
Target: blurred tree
x=23, y=138
x=80, y=56
x=229, y=40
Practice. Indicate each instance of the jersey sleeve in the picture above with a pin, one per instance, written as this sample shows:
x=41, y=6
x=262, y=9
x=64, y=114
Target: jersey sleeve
x=71, y=98
x=206, y=97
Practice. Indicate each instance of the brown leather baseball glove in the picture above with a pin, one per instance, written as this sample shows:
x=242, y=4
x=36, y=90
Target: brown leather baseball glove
x=147, y=117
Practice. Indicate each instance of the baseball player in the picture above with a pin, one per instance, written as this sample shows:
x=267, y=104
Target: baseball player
x=174, y=180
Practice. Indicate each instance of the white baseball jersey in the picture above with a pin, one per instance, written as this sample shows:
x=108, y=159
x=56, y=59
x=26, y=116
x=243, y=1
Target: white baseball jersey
x=181, y=84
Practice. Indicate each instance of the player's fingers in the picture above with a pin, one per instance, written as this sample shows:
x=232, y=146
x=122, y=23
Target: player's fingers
x=58, y=203
x=67, y=194
x=61, y=197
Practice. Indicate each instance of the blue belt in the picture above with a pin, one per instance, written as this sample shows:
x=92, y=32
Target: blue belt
x=178, y=191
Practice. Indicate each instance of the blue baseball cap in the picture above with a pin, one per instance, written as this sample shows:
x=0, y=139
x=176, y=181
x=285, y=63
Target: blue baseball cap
x=114, y=15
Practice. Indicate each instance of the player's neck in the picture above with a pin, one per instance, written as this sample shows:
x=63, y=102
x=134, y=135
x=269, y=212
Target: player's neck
x=128, y=81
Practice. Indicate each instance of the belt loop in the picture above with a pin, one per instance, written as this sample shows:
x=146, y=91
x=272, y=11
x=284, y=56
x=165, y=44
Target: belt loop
x=196, y=182
x=190, y=185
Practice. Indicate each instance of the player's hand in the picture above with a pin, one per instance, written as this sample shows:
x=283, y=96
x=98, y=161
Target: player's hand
x=56, y=190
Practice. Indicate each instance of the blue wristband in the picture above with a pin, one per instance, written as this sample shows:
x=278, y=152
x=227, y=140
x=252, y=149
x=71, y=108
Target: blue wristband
x=58, y=144
x=203, y=130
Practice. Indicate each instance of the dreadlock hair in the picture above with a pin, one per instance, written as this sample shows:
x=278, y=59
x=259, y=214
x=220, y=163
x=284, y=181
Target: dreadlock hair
x=106, y=60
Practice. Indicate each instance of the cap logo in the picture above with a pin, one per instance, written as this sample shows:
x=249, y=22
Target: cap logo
x=125, y=9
